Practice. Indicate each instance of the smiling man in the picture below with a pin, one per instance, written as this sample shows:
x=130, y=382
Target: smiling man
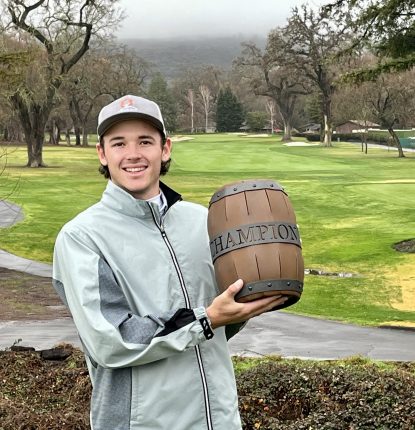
x=135, y=271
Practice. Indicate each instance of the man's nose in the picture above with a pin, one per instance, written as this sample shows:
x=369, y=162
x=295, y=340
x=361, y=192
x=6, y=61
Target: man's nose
x=134, y=152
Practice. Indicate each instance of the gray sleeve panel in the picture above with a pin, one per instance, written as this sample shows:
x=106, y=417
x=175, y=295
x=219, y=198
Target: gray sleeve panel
x=111, y=399
x=115, y=309
x=58, y=286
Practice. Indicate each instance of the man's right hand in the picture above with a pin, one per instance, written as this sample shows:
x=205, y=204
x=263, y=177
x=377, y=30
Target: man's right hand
x=225, y=310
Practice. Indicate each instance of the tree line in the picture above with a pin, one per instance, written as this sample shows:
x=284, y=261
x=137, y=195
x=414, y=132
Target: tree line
x=60, y=63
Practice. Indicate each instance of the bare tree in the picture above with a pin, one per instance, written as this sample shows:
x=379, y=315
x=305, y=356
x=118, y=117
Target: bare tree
x=190, y=98
x=312, y=42
x=206, y=96
x=270, y=105
x=268, y=76
x=61, y=31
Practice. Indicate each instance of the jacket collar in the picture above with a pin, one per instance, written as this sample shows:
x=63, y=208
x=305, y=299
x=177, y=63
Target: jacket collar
x=120, y=200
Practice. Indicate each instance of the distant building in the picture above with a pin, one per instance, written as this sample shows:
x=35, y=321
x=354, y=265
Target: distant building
x=353, y=126
x=313, y=127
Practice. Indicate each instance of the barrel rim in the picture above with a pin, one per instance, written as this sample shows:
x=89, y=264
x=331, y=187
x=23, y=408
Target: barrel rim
x=245, y=185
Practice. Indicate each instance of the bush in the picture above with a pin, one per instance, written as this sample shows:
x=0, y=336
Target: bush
x=274, y=394
x=301, y=395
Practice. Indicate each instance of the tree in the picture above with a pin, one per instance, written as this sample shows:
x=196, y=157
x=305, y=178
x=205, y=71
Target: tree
x=387, y=27
x=311, y=42
x=270, y=106
x=186, y=85
x=268, y=76
x=160, y=93
x=229, y=112
x=256, y=120
x=190, y=98
x=112, y=71
x=61, y=31
x=206, y=96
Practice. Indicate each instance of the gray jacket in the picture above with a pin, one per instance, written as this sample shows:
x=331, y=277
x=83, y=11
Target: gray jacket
x=137, y=287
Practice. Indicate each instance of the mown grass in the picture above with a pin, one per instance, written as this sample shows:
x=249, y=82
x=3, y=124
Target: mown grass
x=351, y=208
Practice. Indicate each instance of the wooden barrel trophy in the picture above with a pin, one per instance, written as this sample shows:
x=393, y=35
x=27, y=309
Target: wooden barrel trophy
x=254, y=236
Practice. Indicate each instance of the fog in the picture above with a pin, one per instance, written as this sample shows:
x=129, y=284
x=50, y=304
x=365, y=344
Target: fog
x=164, y=19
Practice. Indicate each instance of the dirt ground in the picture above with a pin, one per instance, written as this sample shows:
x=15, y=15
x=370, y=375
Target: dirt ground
x=28, y=297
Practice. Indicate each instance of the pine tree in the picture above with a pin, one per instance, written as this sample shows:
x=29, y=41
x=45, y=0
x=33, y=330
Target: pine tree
x=160, y=93
x=229, y=112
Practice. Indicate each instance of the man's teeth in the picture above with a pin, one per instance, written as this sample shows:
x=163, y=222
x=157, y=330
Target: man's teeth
x=135, y=169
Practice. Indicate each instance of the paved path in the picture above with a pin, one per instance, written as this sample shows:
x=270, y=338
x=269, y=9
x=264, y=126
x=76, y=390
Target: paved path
x=276, y=333
x=273, y=333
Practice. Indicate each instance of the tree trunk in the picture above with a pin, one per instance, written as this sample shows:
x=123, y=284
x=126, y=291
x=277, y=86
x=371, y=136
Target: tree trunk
x=287, y=131
x=206, y=121
x=192, y=114
x=397, y=142
x=58, y=134
x=84, y=135
x=33, y=122
x=68, y=136
x=77, y=131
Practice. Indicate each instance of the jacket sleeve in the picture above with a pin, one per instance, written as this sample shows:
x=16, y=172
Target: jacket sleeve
x=112, y=335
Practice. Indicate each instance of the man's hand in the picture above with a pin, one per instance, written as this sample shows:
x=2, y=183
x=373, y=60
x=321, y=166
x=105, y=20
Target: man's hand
x=225, y=310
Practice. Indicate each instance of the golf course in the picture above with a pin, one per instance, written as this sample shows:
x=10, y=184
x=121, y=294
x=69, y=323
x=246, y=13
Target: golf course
x=351, y=209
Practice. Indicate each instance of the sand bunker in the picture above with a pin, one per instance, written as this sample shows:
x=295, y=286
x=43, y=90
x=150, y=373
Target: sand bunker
x=300, y=144
x=181, y=138
x=257, y=135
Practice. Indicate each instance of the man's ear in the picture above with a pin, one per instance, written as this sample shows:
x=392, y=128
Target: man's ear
x=166, y=150
x=101, y=154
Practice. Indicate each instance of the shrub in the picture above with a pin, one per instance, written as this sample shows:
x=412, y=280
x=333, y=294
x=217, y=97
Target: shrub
x=300, y=395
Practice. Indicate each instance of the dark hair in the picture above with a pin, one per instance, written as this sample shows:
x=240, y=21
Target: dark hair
x=165, y=165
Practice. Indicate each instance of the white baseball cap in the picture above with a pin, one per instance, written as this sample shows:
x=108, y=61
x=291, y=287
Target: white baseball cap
x=130, y=107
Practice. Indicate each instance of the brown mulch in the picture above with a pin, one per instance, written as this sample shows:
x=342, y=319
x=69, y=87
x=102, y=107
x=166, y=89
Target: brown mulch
x=407, y=245
x=28, y=297
x=36, y=394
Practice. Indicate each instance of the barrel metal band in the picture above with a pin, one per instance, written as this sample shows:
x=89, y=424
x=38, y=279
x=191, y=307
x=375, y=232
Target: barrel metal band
x=294, y=286
x=243, y=186
x=254, y=234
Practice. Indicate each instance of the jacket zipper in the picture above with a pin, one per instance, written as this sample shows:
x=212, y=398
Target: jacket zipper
x=187, y=302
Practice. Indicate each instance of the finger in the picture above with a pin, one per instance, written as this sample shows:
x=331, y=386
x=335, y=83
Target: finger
x=268, y=304
x=234, y=288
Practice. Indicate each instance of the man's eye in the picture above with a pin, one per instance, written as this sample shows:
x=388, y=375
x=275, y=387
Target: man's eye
x=145, y=142
x=118, y=144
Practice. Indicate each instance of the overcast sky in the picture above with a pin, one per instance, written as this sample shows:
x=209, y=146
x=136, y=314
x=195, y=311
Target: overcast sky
x=182, y=18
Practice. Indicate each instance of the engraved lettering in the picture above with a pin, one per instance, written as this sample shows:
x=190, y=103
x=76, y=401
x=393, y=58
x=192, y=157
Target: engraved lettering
x=230, y=241
x=283, y=231
x=294, y=231
x=246, y=238
x=262, y=230
x=218, y=245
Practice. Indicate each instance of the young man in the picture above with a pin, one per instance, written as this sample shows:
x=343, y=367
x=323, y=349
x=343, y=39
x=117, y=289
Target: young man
x=135, y=271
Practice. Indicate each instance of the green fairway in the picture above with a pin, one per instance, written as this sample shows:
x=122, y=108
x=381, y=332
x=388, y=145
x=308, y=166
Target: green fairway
x=351, y=208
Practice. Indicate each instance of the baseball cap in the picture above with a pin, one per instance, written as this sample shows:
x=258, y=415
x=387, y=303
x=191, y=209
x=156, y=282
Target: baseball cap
x=130, y=107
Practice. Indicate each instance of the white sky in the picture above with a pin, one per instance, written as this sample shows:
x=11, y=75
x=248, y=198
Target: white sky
x=180, y=18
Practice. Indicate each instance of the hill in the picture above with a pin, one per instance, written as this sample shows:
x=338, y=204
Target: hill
x=170, y=56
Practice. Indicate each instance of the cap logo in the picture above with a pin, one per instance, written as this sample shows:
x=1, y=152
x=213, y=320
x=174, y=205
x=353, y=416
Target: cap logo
x=126, y=102
x=127, y=105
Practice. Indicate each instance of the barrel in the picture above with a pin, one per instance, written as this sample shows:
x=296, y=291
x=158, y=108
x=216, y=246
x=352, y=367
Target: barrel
x=254, y=236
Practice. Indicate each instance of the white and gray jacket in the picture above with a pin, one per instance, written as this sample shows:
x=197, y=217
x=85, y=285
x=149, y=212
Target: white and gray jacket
x=137, y=287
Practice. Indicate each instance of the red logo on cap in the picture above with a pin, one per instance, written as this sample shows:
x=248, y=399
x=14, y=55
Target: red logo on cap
x=126, y=102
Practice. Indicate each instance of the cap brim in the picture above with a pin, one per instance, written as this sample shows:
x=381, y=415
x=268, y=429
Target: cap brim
x=124, y=116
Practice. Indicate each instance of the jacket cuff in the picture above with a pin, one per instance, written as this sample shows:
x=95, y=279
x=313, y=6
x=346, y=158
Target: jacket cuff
x=201, y=316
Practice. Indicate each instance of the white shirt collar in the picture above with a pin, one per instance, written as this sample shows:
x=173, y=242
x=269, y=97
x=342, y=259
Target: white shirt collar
x=161, y=201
